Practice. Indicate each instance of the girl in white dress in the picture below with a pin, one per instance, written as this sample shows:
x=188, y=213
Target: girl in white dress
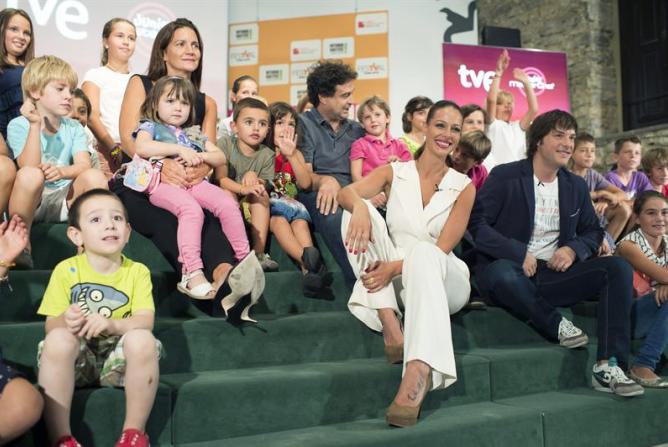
x=398, y=265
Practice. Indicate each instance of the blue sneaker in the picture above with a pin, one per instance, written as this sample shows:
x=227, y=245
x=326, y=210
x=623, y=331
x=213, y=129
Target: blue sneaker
x=609, y=378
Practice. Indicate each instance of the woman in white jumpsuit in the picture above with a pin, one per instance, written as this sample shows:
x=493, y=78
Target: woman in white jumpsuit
x=428, y=207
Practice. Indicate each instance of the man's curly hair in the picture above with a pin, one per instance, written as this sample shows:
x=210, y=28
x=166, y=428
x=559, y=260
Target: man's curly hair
x=323, y=78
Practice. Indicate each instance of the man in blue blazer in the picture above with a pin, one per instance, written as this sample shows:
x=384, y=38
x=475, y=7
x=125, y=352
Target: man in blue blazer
x=537, y=236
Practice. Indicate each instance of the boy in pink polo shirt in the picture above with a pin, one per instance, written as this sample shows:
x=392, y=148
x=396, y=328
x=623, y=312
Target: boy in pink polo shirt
x=377, y=147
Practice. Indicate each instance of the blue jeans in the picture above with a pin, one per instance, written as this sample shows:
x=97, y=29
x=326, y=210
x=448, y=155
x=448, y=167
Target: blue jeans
x=329, y=227
x=609, y=278
x=650, y=321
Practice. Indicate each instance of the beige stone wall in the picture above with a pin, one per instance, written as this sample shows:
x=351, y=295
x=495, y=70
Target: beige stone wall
x=656, y=136
x=587, y=31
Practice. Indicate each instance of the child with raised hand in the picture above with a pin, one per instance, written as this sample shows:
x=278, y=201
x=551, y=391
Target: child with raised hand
x=168, y=108
x=16, y=50
x=289, y=218
x=81, y=108
x=609, y=201
x=655, y=165
x=248, y=170
x=646, y=249
x=20, y=403
x=414, y=122
x=50, y=150
x=243, y=87
x=507, y=137
x=377, y=147
x=99, y=316
x=627, y=154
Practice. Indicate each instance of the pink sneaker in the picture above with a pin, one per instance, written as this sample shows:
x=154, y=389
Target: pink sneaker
x=133, y=438
x=67, y=441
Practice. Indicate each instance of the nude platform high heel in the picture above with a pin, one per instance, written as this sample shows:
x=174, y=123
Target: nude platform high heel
x=404, y=415
x=245, y=278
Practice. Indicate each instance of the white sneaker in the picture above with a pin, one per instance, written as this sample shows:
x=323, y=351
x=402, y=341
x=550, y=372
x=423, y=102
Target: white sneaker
x=609, y=378
x=571, y=336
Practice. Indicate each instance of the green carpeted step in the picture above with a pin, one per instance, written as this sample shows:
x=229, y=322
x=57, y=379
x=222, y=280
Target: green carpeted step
x=478, y=424
x=287, y=264
x=283, y=295
x=584, y=417
x=207, y=344
x=50, y=245
x=97, y=419
x=98, y=415
x=28, y=288
x=257, y=400
x=526, y=369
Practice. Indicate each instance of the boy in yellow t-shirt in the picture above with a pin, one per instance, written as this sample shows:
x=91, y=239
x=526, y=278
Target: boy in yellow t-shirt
x=100, y=314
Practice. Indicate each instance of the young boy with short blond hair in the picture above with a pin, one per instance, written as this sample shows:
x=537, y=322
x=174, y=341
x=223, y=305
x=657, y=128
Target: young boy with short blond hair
x=50, y=150
x=99, y=316
x=655, y=165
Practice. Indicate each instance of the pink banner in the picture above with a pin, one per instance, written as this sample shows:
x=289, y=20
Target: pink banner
x=468, y=72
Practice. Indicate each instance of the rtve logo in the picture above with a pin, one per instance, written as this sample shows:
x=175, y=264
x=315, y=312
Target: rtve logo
x=475, y=79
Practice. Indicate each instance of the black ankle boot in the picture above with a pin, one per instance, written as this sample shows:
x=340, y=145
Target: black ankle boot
x=315, y=276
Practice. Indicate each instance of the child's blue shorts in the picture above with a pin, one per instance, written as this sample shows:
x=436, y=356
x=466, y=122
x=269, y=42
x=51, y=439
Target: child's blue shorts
x=291, y=209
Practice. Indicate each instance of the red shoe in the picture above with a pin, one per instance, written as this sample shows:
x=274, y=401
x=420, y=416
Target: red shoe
x=133, y=438
x=67, y=441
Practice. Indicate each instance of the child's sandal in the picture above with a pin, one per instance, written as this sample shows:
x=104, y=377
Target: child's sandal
x=199, y=292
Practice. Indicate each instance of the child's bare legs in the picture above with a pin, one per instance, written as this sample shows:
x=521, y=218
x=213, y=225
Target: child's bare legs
x=291, y=237
x=21, y=407
x=7, y=176
x=259, y=211
x=618, y=219
x=56, y=377
x=26, y=194
x=87, y=180
x=141, y=377
x=302, y=232
x=392, y=334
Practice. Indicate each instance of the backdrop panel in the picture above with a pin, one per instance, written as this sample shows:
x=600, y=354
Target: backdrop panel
x=72, y=30
x=468, y=72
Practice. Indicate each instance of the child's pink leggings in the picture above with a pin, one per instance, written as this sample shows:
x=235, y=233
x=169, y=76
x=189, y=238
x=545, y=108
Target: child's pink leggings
x=186, y=204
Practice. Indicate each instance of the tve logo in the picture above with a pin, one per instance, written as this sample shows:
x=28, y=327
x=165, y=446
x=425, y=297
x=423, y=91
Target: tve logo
x=474, y=79
x=67, y=13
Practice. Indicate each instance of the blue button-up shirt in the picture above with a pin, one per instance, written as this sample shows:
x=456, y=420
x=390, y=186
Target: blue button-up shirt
x=326, y=150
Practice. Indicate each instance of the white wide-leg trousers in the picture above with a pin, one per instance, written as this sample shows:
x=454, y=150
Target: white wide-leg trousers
x=433, y=285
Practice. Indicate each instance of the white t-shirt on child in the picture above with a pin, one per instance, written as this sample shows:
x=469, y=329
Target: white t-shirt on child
x=508, y=143
x=112, y=88
x=545, y=235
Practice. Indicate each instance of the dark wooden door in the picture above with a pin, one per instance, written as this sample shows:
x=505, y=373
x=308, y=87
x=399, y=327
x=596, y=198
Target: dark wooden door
x=643, y=26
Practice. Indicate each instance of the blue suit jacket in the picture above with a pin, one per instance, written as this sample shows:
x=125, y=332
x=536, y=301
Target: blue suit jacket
x=503, y=215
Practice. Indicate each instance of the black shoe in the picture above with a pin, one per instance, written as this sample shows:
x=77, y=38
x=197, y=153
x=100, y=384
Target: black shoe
x=315, y=278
